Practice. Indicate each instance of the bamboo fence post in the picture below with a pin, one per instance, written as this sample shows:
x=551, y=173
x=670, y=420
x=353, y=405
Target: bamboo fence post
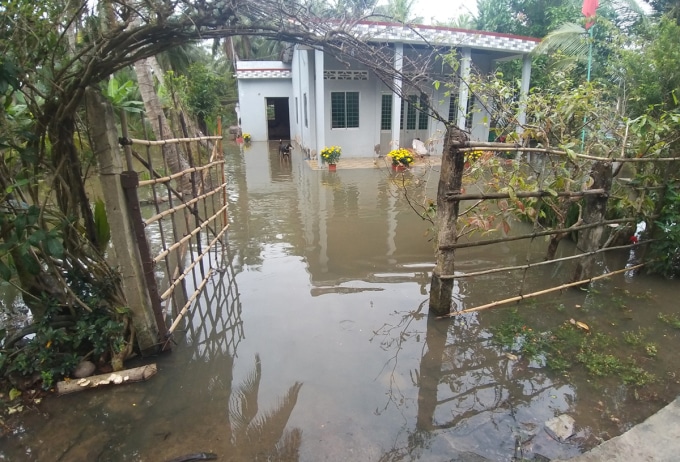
x=540, y=263
x=536, y=234
x=194, y=192
x=519, y=298
x=223, y=180
x=594, y=210
x=450, y=182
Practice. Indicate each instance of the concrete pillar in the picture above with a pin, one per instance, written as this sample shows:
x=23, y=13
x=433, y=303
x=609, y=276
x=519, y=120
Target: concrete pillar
x=524, y=92
x=320, y=100
x=463, y=89
x=124, y=255
x=396, y=96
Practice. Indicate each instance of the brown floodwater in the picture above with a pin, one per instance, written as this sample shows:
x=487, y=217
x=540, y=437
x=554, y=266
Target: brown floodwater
x=312, y=343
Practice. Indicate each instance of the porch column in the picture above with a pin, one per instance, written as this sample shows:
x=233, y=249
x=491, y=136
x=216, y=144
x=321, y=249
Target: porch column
x=396, y=96
x=463, y=90
x=319, y=100
x=524, y=92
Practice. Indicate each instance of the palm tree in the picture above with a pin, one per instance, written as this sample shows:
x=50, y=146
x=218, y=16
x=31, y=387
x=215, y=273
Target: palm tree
x=568, y=44
x=264, y=437
x=173, y=155
x=400, y=10
x=462, y=21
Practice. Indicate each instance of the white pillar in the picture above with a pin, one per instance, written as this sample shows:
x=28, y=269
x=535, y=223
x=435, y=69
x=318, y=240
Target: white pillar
x=524, y=92
x=396, y=97
x=320, y=100
x=463, y=89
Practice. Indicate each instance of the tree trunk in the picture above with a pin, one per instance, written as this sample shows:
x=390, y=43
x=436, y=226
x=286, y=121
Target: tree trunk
x=594, y=211
x=174, y=157
x=450, y=182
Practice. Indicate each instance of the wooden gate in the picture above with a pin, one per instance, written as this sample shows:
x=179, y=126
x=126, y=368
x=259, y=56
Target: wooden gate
x=179, y=219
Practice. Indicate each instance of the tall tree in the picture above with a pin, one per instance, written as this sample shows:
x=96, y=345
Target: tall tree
x=533, y=18
x=671, y=8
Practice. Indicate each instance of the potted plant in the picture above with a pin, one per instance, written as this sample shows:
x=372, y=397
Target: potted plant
x=331, y=155
x=401, y=159
x=246, y=137
x=471, y=157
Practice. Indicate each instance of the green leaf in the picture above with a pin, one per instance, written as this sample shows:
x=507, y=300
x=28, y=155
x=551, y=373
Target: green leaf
x=5, y=271
x=122, y=310
x=14, y=394
x=20, y=224
x=54, y=246
x=36, y=238
x=101, y=223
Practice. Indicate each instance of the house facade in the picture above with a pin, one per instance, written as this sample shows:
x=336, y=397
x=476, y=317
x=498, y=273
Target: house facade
x=318, y=101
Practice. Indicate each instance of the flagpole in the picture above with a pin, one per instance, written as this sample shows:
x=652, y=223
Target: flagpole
x=590, y=62
x=589, y=9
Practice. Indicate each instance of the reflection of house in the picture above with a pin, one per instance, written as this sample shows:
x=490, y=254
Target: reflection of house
x=319, y=101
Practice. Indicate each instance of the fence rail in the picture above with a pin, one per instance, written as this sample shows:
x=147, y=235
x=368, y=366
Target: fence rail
x=184, y=232
x=590, y=225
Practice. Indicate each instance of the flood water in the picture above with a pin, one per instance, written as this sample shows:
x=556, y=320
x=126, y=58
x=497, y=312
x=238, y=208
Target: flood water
x=312, y=343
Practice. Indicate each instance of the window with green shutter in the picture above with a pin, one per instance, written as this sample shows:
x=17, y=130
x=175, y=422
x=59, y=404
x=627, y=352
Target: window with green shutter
x=422, y=114
x=386, y=113
x=344, y=109
x=411, y=113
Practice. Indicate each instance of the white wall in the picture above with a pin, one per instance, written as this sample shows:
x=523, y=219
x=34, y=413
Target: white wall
x=355, y=142
x=252, y=95
x=303, y=84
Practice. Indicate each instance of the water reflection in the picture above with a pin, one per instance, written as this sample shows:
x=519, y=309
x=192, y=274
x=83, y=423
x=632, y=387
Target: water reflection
x=471, y=399
x=317, y=213
x=327, y=286
x=194, y=404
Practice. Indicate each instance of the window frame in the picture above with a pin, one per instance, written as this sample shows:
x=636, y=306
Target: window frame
x=345, y=110
x=386, y=103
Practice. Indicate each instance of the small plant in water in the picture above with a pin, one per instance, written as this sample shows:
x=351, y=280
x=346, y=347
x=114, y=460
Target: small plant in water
x=567, y=345
x=671, y=319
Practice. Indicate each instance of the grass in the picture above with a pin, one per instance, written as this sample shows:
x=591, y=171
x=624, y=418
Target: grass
x=568, y=346
x=671, y=319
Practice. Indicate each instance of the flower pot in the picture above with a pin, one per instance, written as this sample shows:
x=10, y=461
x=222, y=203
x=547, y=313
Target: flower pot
x=399, y=167
x=331, y=167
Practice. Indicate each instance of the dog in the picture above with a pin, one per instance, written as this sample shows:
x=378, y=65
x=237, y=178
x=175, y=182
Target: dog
x=285, y=150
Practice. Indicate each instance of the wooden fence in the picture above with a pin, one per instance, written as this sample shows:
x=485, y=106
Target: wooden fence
x=180, y=231
x=590, y=227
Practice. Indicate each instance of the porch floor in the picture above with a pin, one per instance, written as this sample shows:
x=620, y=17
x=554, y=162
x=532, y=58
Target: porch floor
x=373, y=162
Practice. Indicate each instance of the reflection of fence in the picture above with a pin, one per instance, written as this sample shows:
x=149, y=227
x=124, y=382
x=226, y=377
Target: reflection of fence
x=590, y=188
x=190, y=219
x=215, y=325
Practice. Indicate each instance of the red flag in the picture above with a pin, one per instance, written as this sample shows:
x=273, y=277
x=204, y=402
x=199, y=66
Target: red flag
x=588, y=10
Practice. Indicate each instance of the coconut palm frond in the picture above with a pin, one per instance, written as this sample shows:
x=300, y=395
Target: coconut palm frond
x=569, y=38
x=288, y=449
x=244, y=406
x=631, y=5
x=565, y=63
x=268, y=429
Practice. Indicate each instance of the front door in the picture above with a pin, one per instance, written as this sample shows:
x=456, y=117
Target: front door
x=278, y=119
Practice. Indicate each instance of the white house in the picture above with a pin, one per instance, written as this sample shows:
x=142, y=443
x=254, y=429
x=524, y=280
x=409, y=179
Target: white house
x=318, y=101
